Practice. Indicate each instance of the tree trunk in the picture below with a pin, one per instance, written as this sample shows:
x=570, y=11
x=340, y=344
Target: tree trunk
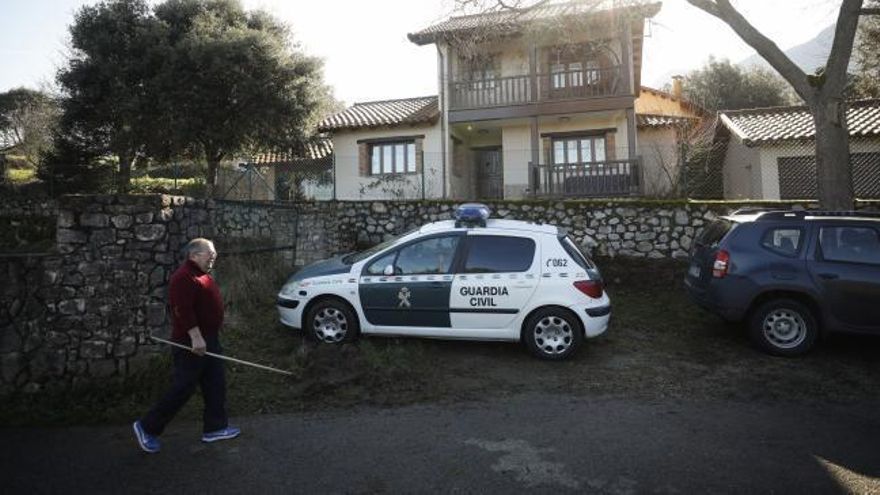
x=833, y=169
x=123, y=178
x=211, y=178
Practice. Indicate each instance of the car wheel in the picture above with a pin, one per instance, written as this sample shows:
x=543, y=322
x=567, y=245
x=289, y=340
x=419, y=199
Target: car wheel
x=553, y=334
x=784, y=327
x=332, y=322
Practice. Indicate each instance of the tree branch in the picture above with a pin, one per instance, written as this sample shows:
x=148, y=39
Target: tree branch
x=765, y=47
x=841, y=49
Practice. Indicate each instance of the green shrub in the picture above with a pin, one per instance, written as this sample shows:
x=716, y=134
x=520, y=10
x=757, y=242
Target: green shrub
x=156, y=185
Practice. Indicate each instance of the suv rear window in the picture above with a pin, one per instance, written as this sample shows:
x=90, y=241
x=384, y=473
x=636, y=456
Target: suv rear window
x=714, y=232
x=497, y=254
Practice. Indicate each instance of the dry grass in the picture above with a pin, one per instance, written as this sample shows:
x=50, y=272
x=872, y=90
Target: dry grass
x=659, y=345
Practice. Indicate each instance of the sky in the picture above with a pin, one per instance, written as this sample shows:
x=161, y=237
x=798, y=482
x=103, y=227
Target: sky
x=368, y=57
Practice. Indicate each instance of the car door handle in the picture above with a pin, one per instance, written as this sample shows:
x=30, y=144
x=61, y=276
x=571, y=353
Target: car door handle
x=829, y=276
x=435, y=284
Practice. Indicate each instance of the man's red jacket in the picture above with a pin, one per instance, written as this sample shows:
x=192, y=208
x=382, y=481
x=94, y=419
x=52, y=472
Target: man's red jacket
x=195, y=301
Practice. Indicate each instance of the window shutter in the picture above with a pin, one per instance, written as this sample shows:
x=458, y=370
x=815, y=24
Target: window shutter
x=420, y=159
x=610, y=147
x=364, y=159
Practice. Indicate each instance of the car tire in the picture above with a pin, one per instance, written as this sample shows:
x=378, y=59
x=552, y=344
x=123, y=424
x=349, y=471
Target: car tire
x=784, y=327
x=553, y=334
x=331, y=321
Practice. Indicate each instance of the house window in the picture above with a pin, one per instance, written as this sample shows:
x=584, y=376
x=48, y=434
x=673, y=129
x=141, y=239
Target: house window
x=393, y=158
x=578, y=149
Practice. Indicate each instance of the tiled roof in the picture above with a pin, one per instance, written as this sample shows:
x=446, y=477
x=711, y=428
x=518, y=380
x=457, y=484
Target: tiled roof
x=658, y=121
x=384, y=113
x=318, y=151
x=764, y=125
x=513, y=19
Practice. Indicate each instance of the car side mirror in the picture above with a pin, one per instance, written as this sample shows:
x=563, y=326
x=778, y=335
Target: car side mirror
x=389, y=270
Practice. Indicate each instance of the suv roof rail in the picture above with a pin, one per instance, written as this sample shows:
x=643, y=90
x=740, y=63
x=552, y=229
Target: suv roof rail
x=750, y=210
x=844, y=213
x=775, y=215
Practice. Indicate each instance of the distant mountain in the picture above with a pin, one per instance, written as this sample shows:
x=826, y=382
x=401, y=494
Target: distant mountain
x=808, y=56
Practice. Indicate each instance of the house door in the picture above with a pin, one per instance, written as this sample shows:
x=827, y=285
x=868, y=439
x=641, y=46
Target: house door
x=490, y=174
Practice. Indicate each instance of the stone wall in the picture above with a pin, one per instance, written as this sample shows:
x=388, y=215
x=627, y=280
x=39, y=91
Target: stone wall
x=641, y=229
x=18, y=206
x=301, y=232
x=606, y=229
x=85, y=309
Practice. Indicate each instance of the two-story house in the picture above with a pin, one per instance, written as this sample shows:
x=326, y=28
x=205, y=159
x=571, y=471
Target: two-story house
x=534, y=103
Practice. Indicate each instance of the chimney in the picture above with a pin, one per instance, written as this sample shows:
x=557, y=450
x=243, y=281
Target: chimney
x=676, y=86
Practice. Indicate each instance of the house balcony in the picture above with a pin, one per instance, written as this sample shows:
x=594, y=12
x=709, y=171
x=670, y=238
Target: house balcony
x=557, y=86
x=612, y=178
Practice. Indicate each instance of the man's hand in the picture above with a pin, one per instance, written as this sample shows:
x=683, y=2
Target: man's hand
x=198, y=342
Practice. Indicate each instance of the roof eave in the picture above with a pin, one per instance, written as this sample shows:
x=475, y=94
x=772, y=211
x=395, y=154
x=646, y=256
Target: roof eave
x=424, y=38
x=413, y=123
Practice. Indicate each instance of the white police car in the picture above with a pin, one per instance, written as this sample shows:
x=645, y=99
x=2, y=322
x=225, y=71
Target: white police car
x=468, y=278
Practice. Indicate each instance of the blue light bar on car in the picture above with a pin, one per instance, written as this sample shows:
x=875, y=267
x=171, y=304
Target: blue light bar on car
x=470, y=214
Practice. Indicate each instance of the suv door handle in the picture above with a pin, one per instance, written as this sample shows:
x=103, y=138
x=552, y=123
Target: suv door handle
x=829, y=276
x=435, y=284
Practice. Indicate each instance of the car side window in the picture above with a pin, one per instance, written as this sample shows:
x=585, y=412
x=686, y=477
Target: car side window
x=850, y=244
x=499, y=254
x=378, y=267
x=430, y=256
x=785, y=241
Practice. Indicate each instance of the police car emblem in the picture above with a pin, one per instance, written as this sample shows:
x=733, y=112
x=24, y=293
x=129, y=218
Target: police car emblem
x=403, y=295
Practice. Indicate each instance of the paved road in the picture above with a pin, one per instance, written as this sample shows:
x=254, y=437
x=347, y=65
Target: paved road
x=530, y=443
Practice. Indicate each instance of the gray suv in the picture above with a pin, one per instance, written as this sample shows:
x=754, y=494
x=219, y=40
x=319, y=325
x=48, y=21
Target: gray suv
x=791, y=275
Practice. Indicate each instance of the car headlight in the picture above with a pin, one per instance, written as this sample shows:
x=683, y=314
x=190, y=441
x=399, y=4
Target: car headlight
x=289, y=289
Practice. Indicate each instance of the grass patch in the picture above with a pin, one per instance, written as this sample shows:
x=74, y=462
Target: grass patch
x=110, y=401
x=194, y=187
x=21, y=175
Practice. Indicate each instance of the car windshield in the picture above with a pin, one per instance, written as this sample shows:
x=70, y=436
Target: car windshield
x=362, y=255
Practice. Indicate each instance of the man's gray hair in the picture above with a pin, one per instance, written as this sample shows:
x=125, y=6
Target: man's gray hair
x=197, y=245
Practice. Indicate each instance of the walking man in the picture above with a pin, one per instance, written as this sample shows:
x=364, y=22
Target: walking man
x=196, y=317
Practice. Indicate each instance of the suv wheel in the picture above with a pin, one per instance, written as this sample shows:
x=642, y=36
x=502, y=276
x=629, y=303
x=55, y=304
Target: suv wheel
x=784, y=327
x=331, y=322
x=552, y=334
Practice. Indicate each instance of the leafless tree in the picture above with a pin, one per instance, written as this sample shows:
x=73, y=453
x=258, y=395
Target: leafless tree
x=823, y=92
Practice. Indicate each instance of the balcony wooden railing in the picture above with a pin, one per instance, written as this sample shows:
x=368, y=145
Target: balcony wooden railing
x=611, y=178
x=517, y=90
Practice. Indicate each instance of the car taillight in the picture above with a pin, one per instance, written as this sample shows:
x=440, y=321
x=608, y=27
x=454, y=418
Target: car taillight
x=722, y=262
x=592, y=288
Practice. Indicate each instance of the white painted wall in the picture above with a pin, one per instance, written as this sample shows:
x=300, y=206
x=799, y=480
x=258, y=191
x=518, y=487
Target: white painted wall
x=742, y=171
x=350, y=185
x=770, y=154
